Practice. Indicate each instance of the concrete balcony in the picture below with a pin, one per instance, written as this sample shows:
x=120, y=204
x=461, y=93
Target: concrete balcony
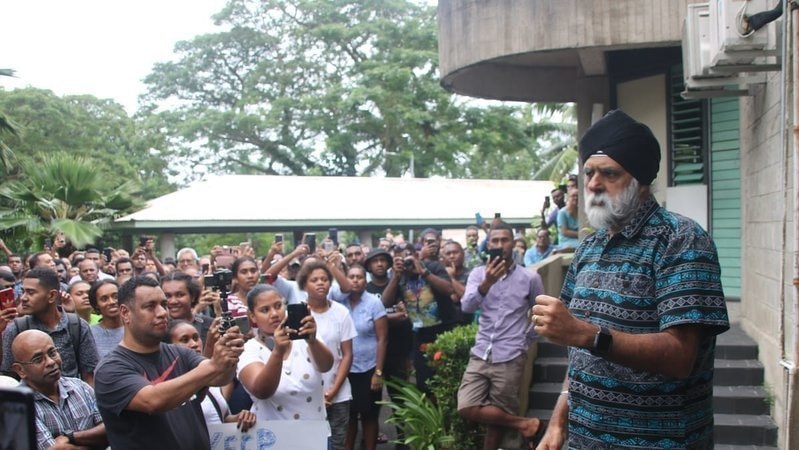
x=546, y=50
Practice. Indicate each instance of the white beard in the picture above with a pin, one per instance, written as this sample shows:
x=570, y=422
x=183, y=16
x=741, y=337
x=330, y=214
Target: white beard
x=604, y=211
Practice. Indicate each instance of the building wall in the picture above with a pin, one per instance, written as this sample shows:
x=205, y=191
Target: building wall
x=768, y=236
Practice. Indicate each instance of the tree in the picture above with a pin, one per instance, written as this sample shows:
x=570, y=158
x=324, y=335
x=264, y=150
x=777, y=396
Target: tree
x=99, y=131
x=63, y=193
x=328, y=87
x=7, y=129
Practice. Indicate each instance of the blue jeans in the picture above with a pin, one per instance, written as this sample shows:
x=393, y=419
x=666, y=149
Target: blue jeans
x=338, y=416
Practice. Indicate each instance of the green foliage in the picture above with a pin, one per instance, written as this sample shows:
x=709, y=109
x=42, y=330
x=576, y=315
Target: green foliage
x=449, y=355
x=421, y=420
x=62, y=193
x=332, y=87
x=100, y=131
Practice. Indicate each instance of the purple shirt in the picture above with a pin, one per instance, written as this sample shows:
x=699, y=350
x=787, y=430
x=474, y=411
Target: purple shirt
x=503, y=327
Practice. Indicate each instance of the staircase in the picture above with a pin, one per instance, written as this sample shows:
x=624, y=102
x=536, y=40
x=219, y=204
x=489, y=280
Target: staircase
x=740, y=403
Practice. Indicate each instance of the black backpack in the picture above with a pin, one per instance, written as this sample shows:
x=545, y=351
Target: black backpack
x=73, y=329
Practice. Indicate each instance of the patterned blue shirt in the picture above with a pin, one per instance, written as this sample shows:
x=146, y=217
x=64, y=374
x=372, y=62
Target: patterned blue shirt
x=660, y=271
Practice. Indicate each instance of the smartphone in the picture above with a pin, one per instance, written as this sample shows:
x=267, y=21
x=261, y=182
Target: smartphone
x=546, y=199
x=7, y=298
x=107, y=254
x=478, y=219
x=296, y=312
x=328, y=245
x=333, y=234
x=143, y=241
x=278, y=238
x=17, y=417
x=205, y=268
x=494, y=253
x=497, y=215
x=48, y=243
x=310, y=241
x=243, y=322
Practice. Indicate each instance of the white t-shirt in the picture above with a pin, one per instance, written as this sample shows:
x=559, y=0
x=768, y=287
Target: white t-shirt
x=209, y=411
x=335, y=326
x=299, y=395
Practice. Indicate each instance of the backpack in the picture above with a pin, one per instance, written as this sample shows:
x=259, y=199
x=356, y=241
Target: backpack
x=73, y=329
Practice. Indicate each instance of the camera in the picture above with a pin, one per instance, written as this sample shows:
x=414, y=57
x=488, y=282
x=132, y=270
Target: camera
x=409, y=264
x=219, y=279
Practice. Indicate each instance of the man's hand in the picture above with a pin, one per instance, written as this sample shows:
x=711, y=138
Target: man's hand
x=6, y=316
x=553, y=320
x=228, y=348
x=399, y=265
x=553, y=439
x=208, y=297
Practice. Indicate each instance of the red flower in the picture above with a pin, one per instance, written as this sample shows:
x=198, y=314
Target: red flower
x=437, y=355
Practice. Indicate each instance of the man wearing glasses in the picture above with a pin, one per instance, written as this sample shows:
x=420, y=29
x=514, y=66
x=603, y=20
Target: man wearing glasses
x=66, y=412
x=39, y=303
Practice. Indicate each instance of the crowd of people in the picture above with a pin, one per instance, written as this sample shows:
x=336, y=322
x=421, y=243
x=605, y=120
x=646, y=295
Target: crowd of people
x=112, y=315
x=126, y=350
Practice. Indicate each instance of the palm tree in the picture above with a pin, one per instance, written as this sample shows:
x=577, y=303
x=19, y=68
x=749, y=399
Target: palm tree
x=6, y=128
x=555, y=125
x=64, y=194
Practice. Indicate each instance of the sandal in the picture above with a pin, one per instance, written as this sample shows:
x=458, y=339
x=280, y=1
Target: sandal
x=533, y=441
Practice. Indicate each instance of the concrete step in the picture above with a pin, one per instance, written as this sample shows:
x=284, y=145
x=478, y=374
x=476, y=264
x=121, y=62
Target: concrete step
x=550, y=369
x=738, y=372
x=735, y=344
x=745, y=429
x=740, y=400
x=743, y=447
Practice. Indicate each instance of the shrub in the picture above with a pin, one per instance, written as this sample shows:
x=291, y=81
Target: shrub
x=420, y=419
x=448, y=355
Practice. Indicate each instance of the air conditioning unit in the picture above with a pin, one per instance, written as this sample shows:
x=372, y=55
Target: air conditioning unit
x=734, y=48
x=718, y=60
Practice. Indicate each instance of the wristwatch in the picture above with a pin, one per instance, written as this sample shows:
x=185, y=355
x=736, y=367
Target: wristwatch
x=603, y=341
x=379, y=373
x=70, y=437
x=426, y=273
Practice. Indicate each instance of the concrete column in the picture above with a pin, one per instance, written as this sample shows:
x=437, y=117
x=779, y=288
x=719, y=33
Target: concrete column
x=166, y=243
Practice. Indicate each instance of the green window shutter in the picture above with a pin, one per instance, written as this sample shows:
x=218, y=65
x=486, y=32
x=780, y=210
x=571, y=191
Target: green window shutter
x=725, y=190
x=687, y=155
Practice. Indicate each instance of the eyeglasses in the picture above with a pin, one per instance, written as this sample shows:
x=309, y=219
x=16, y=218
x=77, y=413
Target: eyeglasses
x=39, y=359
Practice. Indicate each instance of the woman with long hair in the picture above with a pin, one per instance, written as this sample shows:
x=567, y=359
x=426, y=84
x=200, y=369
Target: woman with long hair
x=283, y=376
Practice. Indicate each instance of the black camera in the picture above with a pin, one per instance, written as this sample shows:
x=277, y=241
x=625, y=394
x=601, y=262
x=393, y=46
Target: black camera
x=409, y=264
x=219, y=279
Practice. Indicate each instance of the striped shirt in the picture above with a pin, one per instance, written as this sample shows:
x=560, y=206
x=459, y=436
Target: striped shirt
x=76, y=411
x=660, y=271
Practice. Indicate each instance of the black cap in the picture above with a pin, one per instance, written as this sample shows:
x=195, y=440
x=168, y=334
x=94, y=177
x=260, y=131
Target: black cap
x=625, y=140
x=374, y=254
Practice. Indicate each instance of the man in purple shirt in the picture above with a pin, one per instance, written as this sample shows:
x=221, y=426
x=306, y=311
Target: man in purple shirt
x=489, y=390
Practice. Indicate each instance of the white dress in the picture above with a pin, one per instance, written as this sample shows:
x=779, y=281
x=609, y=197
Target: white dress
x=299, y=396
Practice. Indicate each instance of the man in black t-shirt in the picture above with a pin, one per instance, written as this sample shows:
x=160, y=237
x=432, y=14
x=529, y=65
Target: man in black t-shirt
x=148, y=392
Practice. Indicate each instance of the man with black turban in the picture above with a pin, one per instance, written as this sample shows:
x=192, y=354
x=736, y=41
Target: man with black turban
x=640, y=308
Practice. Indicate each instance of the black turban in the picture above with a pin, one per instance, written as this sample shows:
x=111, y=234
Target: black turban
x=627, y=141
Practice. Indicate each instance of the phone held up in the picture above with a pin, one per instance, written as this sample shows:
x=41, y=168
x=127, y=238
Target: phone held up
x=278, y=238
x=310, y=241
x=296, y=312
x=7, y=299
x=494, y=253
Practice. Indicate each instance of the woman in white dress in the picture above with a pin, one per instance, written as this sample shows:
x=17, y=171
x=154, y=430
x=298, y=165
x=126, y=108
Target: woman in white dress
x=283, y=376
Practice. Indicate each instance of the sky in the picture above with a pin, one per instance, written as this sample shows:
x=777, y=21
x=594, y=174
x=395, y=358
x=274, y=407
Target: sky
x=100, y=47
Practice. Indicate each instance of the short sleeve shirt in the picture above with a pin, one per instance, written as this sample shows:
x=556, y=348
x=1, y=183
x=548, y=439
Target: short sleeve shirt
x=76, y=410
x=364, y=347
x=122, y=374
x=659, y=271
x=335, y=326
x=299, y=395
x=424, y=305
x=86, y=353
